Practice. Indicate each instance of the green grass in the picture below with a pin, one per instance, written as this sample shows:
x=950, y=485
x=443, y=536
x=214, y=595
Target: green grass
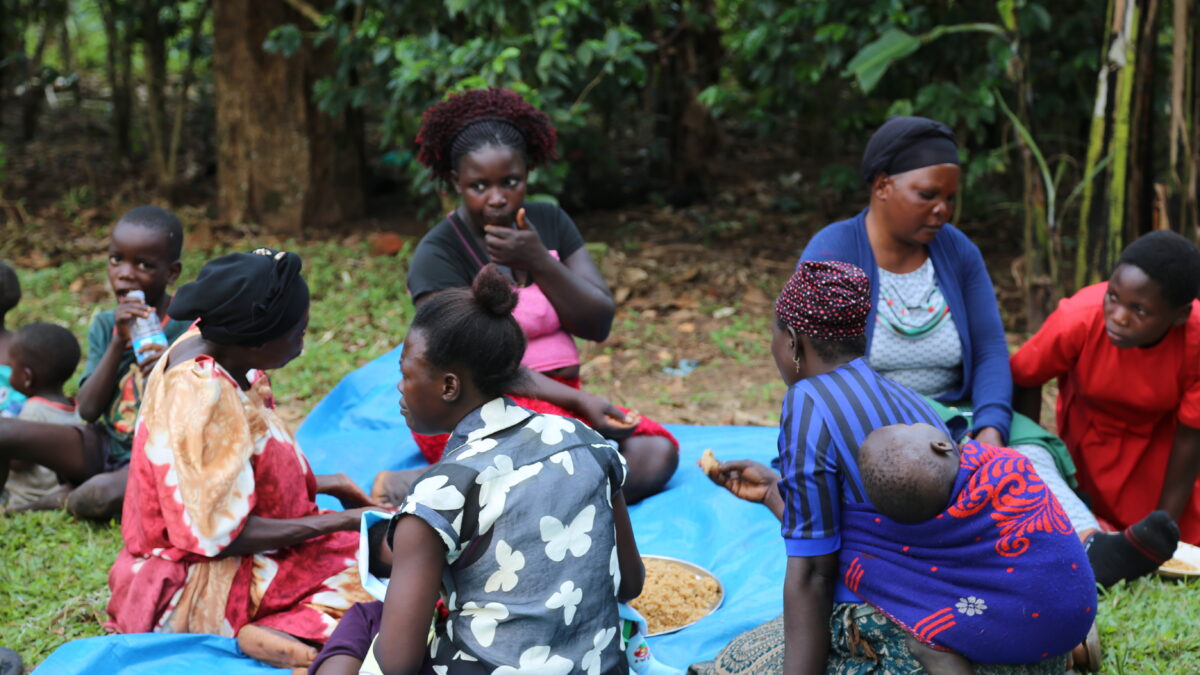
x=53, y=580
x=53, y=569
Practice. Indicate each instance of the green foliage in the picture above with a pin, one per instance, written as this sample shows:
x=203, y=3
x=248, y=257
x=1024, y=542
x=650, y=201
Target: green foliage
x=583, y=62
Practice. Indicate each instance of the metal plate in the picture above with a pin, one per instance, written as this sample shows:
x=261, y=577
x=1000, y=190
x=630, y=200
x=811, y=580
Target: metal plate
x=1188, y=554
x=698, y=571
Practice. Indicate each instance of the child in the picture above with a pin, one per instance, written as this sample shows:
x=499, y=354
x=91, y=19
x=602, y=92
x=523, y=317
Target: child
x=43, y=357
x=942, y=510
x=523, y=521
x=1127, y=357
x=10, y=294
x=484, y=143
x=143, y=254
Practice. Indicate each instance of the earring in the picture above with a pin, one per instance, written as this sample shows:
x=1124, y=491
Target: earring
x=796, y=360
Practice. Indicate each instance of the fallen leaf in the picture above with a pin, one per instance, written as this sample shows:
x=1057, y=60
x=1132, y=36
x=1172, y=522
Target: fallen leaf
x=755, y=296
x=687, y=327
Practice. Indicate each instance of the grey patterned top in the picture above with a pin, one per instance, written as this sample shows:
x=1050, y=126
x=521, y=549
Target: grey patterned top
x=915, y=341
x=523, y=502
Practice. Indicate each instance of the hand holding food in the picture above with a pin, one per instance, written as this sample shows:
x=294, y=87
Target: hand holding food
x=708, y=463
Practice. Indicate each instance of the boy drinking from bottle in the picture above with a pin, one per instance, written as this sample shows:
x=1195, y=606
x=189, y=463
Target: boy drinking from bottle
x=143, y=255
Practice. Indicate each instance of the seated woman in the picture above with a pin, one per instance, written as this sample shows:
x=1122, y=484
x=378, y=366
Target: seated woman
x=841, y=614
x=1127, y=357
x=484, y=143
x=221, y=528
x=934, y=324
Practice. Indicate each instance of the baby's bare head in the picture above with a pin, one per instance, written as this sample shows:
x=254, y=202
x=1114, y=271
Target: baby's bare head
x=908, y=471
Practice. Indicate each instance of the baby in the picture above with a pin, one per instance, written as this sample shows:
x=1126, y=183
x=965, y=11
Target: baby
x=43, y=356
x=909, y=474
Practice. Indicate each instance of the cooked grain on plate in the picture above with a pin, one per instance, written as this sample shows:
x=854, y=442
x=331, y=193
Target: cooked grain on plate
x=674, y=596
x=1177, y=565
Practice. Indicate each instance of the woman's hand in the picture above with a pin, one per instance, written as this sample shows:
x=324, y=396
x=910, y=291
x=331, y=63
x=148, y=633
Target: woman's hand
x=346, y=491
x=606, y=418
x=746, y=479
x=749, y=480
x=989, y=436
x=519, y=248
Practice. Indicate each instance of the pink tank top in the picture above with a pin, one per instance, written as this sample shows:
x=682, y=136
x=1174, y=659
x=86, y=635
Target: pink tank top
x=548, y=346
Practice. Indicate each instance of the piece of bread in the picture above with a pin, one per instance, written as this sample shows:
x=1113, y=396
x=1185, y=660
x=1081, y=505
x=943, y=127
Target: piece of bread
x=708, y=462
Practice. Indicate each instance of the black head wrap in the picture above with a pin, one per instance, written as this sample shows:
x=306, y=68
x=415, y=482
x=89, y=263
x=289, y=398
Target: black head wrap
x=907, y=143
x=245, y=299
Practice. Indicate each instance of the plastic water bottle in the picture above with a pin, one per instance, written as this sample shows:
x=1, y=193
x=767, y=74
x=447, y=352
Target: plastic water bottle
x=146, y=331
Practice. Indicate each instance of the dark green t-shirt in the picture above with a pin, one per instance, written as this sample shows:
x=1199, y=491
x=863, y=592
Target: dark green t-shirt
x=119, y=417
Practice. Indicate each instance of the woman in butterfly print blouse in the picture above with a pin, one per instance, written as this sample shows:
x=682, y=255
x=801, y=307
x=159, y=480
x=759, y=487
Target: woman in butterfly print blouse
x=522, y=523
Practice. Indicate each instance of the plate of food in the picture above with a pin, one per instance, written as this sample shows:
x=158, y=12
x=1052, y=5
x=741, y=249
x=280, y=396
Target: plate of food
x=676, y=594
x=1185, y=563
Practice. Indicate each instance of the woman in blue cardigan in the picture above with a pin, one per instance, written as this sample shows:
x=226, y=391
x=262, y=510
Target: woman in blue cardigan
x=934, y=324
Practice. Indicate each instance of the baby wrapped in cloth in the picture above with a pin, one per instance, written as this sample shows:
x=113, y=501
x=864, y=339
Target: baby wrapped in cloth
x=995, y=573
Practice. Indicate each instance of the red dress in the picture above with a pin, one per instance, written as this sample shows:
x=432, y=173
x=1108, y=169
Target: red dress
x=1117, y=408
x=206, y=456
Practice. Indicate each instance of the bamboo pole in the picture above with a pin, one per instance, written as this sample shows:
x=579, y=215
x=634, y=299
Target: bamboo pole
x=1126, y=47
x=1095, y=149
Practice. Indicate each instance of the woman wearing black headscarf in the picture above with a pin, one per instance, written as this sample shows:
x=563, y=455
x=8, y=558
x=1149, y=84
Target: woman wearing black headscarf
x=934, y=324
x=221, y=528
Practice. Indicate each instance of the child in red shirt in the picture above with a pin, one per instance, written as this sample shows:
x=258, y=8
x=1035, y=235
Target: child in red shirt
x=1127, y=357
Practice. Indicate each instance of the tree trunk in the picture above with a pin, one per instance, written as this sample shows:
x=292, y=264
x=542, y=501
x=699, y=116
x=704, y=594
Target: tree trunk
x=118, y=66
x=1139, y=211
x=154, y=56
x=34, y=88
x=280, y=161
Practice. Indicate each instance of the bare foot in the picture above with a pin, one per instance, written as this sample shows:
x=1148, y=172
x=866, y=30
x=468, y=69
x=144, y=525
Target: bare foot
x=275, y=647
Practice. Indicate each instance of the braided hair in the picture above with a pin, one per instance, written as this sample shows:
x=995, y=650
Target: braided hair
x=466, y=122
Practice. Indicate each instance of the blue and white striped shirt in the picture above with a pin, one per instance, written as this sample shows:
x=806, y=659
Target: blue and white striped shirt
x=825, y=419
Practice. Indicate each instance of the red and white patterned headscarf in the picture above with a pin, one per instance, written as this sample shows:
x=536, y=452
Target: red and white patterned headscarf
x=826, y=300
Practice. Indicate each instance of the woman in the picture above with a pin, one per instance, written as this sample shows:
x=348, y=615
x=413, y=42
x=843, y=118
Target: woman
x=484, y=143
x=222, y=533
x=538, y=494
x=844, y=611
x=935, y=325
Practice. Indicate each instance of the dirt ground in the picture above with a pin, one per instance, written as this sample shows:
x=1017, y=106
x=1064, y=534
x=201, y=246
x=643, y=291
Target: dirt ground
x=694, y=286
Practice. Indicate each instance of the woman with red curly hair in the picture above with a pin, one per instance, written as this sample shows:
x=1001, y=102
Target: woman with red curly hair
x=484, y=143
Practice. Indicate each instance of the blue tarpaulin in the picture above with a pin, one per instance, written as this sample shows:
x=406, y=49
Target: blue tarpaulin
x=357, y=429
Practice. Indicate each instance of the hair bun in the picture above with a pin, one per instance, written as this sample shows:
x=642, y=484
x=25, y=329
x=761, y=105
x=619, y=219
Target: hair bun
x=493, y=292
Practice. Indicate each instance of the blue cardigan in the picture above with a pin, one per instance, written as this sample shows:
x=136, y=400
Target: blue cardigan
x=963, y=279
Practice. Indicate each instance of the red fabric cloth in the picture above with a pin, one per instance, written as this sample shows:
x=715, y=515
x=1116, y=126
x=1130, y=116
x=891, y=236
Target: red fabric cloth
x=1117, y=409
x=432, y=447
x=206, y=457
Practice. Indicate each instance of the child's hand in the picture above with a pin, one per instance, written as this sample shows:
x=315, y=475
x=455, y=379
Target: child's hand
x=746, y=479
x=129, y=309
x=519, y=248
x=153, y=351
